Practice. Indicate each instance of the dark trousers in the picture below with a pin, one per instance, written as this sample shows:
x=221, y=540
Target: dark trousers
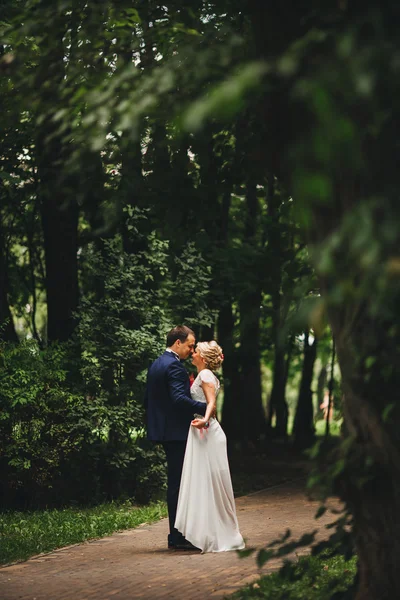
x=175, y=453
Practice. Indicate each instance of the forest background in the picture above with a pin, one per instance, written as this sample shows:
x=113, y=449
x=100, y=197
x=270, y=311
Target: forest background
x=228, y=165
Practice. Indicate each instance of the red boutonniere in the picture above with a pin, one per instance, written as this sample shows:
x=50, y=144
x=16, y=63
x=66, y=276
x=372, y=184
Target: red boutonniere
x=191, y=379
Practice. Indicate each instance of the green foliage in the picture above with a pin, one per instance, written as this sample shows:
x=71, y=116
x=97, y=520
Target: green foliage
x=39, y=429
x=189, y=289
x=280, y=547
x=227, y=98
x=311, y=100
x=55, y=435
x=97, y=100
x=29, y=533
x=72, y=416
x=122, y=317
x=311, y=578
x=132, y=300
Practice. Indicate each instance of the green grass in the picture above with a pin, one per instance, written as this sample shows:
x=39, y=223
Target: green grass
x=312, y=578
x=334, y=428
x=25, y=534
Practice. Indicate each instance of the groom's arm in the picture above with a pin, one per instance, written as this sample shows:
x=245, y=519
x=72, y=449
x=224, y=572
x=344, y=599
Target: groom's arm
x=177, y=380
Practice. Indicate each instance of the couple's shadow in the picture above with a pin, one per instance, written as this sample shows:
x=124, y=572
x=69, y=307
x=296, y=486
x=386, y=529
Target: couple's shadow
x=165, y=551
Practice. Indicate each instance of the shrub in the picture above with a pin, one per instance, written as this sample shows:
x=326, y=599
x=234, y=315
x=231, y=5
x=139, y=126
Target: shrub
x=54, y=442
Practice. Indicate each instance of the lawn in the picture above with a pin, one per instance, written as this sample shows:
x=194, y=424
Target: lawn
x=311, y=578
x=24, y=534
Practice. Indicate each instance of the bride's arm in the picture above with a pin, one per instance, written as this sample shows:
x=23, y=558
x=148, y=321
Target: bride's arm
x=209, y=392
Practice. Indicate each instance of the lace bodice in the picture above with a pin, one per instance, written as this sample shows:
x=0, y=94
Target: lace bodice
x=206, y=376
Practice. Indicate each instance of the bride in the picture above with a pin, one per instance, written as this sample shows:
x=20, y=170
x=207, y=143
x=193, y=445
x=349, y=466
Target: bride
x=206, y=513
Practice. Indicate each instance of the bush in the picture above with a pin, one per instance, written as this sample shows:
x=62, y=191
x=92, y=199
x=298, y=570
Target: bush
x=54, y=437
x=71, y=415
x=312, y=578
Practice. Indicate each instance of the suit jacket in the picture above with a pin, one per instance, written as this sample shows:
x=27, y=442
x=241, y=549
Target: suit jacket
x=169, y=407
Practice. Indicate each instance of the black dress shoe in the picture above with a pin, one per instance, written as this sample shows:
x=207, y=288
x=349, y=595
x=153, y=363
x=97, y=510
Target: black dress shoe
x=184, y=545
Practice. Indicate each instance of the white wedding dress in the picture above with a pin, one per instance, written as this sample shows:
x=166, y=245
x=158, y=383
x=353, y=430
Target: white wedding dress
x=206, y=513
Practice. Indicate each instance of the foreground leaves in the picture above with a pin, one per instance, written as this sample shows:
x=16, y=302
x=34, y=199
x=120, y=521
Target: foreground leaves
x=312, y=578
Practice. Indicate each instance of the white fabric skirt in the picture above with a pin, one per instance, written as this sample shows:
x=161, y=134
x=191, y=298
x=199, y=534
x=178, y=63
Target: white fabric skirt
x=206, y=513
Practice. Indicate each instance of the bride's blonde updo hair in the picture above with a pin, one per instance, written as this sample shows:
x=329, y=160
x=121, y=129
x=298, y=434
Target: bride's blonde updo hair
x=211, y=353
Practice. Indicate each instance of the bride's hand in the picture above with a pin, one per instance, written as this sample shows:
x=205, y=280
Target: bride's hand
x=198, y=423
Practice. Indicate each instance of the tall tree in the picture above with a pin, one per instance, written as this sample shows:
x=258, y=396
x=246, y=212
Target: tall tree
x=344, y=143
x=58, y=187
x=7, y=329
x=303, y=427
x=277, y=407
x=251, y=408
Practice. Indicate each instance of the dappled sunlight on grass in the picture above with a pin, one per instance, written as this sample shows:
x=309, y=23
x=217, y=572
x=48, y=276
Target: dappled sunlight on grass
x=312, y=578
x=334, y=427
x=25, y=534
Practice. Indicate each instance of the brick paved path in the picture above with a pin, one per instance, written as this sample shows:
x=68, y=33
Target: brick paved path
x=136, y=564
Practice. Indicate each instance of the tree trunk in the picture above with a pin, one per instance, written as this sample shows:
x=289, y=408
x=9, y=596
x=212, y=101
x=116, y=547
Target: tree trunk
x=321, y=385
x=7, y=329
x=280, y=306
x=303, y=428
x=207, y=333
x=277, y=403
x=225, y=330
x=374, y=503
x=57, y=192
x=330, y=394
x=31, y=251
x=363, y=300
x=60, y=230
x=131, y=190
x=253, y=423
x=251, y=410
x=231, y=421
x=367, y=341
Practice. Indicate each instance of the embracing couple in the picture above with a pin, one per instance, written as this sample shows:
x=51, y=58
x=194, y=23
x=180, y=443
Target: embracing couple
x=201, y=506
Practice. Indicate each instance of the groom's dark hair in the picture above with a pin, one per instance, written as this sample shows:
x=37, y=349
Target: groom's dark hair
x=180, y=332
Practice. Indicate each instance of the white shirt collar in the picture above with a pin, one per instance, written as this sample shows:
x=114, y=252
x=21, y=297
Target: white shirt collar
x=173, y=352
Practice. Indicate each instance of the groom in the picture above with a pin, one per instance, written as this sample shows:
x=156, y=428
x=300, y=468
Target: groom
x=169, y=411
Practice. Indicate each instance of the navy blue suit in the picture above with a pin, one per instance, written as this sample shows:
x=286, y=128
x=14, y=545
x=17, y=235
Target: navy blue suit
x=168, y=403
x=169, y=411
